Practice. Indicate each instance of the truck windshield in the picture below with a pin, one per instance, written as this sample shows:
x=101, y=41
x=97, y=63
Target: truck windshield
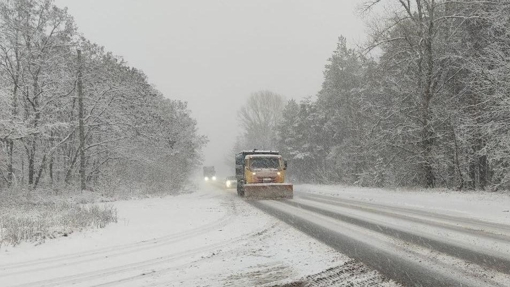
x=265, y=162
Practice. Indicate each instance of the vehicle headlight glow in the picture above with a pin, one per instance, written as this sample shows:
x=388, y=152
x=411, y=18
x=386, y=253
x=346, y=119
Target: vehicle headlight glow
x=213, y=178
x=228, y=183
x=206, y=178
x=254, y=173
x=279, y=173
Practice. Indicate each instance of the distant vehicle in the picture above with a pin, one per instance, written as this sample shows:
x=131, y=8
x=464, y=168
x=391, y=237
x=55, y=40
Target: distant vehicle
x=209, y=173
x=231, y=182
x=261, y=174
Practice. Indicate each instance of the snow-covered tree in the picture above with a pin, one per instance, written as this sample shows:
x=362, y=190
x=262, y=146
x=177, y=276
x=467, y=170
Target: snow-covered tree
x=259, y=118
x=56, y=106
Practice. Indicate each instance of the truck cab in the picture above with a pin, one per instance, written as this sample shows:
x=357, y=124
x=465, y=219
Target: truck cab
x=264, y=168
x=209, y=173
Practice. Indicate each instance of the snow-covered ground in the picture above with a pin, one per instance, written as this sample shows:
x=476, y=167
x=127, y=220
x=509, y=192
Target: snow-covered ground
x=213, y=238
x=207, y=238
x=494, y=207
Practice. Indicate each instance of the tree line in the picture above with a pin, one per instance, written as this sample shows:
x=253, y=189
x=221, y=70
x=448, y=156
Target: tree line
x=428, y=108
x=71, y=112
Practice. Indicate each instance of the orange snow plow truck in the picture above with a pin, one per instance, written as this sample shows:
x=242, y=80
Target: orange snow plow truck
x=261, y=175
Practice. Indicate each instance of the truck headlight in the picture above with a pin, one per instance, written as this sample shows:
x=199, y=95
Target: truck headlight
x=206, y=178
x=213, y=178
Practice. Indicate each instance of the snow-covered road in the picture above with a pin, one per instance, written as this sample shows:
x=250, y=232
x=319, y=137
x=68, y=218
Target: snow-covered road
x=214, y=238
x=207, y=238
x=418, y=238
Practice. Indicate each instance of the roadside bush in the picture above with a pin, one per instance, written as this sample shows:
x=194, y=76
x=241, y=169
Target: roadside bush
x=34, y=216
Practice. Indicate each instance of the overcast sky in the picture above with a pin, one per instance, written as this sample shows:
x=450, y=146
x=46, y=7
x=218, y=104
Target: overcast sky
x=214, y=53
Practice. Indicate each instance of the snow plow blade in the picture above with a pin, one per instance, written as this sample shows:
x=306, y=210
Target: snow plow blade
x=269, y=191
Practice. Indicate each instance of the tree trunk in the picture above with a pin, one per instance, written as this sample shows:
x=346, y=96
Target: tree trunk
x=31, y=155
x=10, y=170
x=39, y=174
x=81, y=125
x=50, y=170
x=457, y=162
x=426, y=136
x=22, y=159
x=71, y=167
x=472, y=174
x=427, y=97
x=50, y=164
x=10, y=143
x=427, y=169
x=37, y=117
x=483, y=170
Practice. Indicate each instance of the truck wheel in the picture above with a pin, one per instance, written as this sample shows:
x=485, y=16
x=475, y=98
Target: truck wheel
x=240, y=190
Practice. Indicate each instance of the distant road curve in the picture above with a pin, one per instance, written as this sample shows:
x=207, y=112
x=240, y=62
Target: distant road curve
x=412, y=247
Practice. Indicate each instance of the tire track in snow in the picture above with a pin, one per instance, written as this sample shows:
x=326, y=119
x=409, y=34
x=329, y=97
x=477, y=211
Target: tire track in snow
x=162, y=271
x=477, y=255
x=489, y=229
x=134, y=246
x=99, y=254
x=391, y=254
x=87, y=277
x=122, y=274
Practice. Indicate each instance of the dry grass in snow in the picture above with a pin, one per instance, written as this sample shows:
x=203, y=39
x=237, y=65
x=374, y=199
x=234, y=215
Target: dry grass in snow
x=34, y=216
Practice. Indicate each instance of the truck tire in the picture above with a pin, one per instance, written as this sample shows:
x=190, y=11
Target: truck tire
x=240, y=189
